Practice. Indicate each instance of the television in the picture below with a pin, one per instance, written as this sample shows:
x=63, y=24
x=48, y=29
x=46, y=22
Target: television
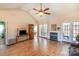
x=22, y=32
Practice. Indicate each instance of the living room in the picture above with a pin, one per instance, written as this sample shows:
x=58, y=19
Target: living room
x=45, y=25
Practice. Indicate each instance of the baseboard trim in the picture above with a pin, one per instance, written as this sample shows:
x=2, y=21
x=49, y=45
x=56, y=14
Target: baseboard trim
x=43, y=37
x=16, y=42
x=66, y=42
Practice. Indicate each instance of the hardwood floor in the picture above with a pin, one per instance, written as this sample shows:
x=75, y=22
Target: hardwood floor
x=36, y=47
x=1, y=41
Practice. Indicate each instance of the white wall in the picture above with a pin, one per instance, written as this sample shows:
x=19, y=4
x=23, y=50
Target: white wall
x=18, y=18
x=60, y=12
x=15, y=19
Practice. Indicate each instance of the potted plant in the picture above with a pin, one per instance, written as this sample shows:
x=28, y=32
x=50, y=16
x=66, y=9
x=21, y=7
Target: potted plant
x=77, y=38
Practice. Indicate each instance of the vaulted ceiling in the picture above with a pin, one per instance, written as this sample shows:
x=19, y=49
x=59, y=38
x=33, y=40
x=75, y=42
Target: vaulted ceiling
x=56, y=9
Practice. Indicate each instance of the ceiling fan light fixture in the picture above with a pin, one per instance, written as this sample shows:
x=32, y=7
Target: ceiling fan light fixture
x=41, y=13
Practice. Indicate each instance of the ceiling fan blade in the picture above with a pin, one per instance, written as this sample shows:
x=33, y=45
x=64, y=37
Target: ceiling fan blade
x=46, y=9
x=35, y=9
x=47, y=13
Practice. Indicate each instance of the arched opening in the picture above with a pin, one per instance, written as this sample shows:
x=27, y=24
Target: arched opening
x=2, y=33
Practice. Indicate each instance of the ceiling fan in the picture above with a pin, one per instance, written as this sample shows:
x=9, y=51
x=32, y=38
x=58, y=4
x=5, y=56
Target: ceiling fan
x=42, y=11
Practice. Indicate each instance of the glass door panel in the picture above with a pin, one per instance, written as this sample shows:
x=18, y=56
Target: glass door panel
x=43, y=30
x=75, y=30
x=66, y=31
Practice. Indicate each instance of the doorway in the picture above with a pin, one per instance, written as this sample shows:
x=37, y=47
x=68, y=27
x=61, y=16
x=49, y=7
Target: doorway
x=43, y=29
x=66, y=32
x=2, y=33
x=70, y=31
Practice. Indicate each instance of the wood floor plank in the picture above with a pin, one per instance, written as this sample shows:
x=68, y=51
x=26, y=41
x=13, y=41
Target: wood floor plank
x=36, y=47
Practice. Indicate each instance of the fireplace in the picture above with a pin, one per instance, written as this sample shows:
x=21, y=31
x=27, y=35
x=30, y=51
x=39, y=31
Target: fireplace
x=22, y=32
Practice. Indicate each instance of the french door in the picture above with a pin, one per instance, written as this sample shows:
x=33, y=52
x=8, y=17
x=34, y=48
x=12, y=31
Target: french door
x=66, y=31
x=75, y=30
x=70, y=31
x=43, y=30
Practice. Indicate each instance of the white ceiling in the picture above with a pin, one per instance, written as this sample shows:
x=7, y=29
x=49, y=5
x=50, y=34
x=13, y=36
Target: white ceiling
x=56, y=9
x=54, y=6
x=10, y=5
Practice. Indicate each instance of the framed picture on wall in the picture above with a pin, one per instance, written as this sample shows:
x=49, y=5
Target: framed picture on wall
x=53, y=27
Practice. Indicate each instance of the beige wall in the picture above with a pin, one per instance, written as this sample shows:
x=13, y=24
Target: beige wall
x=19, y=19
x=15, y=19
x=70, y=17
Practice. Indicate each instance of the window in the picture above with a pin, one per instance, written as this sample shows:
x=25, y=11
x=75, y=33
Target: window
x=66, y=31
x=70, y=30
x=75, y=29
